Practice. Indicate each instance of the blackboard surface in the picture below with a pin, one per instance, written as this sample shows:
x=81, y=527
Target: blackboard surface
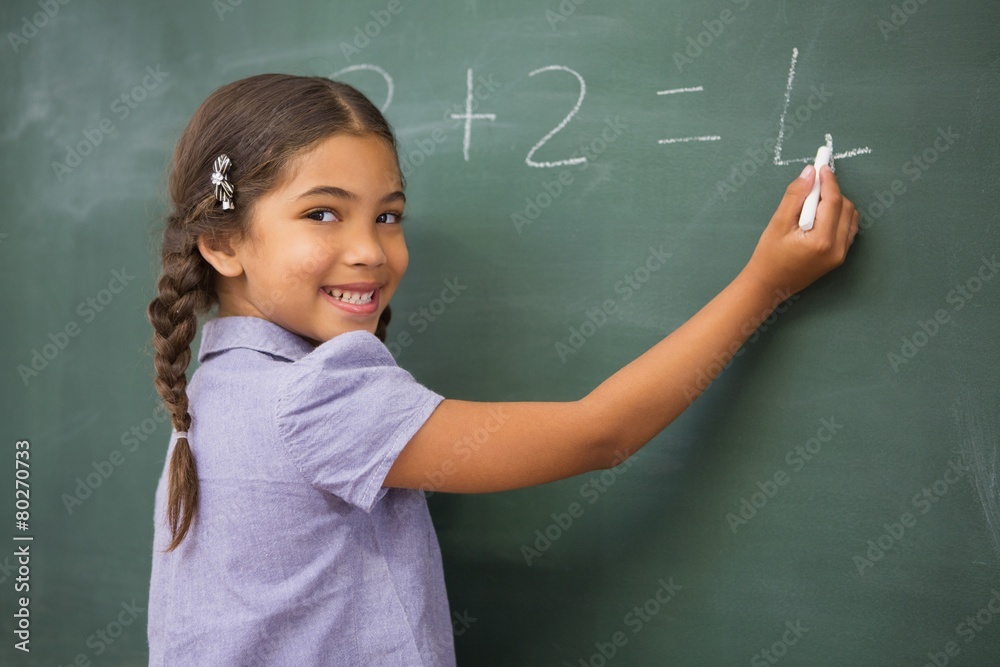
x=833, y=499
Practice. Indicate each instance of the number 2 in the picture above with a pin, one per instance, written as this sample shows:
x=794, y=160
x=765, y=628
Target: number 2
x=569, y=161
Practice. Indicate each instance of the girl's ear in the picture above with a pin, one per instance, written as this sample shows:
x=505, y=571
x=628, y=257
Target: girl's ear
x=220, y=254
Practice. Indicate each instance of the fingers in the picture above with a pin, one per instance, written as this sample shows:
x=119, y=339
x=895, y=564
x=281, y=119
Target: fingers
x=846, y=228
x=837, y=215
x=795, y=195
x=831, y=206
x=828, y=186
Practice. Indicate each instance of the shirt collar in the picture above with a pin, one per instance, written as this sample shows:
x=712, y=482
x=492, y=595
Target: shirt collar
x=254, y=333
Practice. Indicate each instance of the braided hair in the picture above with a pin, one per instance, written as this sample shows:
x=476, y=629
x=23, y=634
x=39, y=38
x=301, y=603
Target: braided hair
x=261, y=123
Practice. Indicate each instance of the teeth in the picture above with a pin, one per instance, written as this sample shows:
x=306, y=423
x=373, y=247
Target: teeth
x=357, y=298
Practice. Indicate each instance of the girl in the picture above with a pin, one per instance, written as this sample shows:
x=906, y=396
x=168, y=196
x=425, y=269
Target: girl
x=291, y=527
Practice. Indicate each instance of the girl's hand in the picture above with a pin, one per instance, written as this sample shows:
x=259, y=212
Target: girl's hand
x=788, y=259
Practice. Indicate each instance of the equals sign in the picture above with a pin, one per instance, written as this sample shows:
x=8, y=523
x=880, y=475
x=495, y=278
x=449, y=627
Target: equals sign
x=682, y=140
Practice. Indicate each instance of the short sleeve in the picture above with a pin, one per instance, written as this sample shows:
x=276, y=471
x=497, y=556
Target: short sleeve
x=345, y=411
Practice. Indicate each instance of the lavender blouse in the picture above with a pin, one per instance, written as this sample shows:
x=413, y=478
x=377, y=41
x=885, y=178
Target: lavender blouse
x=297, y=554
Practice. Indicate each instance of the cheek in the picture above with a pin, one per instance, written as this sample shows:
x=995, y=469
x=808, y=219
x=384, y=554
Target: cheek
x=397, y=255
x=307, y=257
x=290, y=266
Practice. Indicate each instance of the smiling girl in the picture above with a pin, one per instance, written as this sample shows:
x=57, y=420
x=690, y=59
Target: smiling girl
x=291, y=527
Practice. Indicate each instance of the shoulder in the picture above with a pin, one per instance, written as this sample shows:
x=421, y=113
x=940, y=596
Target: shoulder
x=346, y=351
x=350, y=364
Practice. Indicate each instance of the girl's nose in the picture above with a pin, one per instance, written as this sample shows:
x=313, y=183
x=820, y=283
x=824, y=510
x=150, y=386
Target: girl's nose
x=364, y=245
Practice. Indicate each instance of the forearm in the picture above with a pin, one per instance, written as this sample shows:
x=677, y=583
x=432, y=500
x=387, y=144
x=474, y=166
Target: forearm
x=641, y=399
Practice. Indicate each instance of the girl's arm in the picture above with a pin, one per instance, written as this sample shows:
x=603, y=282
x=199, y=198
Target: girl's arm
x=477, y=447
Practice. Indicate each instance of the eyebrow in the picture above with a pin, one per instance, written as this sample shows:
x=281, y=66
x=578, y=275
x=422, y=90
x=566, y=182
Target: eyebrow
x=341, y=193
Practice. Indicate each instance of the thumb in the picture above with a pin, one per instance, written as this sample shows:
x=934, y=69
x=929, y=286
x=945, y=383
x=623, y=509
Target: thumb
x=795, y=196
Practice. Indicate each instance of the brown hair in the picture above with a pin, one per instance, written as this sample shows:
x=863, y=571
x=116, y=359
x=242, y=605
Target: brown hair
x=261, y=123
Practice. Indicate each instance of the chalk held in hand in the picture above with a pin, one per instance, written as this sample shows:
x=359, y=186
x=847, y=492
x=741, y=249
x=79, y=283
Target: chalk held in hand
x=824, y=156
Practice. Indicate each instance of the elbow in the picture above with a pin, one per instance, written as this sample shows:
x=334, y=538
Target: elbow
x=611, y=457
x=602, y=437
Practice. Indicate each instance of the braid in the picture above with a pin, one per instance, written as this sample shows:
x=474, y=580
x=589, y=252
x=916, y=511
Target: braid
x=181, y=294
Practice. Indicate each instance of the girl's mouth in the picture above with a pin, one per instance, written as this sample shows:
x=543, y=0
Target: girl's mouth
x=362, y=303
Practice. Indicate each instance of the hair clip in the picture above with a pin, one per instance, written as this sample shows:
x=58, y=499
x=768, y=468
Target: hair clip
x=223, y=188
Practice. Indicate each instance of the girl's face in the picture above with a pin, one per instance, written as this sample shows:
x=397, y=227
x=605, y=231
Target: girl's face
x=326, y=250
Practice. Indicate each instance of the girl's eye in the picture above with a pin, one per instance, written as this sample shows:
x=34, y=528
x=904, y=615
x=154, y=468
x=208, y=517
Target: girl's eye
x=322, y=215
x=396, y=218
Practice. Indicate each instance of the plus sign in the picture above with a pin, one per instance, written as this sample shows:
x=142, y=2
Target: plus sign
x=468, y=116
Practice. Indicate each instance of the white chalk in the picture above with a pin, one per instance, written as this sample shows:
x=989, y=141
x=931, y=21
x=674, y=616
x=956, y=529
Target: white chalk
x=808, y=216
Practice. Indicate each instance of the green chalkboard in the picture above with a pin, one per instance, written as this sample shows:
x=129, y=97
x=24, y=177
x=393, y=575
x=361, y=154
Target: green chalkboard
x=833, y=499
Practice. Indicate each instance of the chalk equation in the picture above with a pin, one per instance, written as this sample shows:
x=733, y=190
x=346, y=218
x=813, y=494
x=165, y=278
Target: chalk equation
x=469, y=115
